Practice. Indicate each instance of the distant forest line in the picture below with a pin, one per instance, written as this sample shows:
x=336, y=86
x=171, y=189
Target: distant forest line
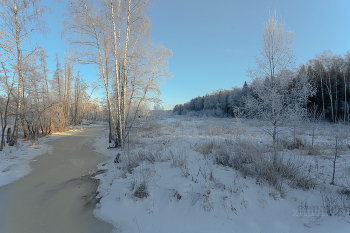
x=328, y=73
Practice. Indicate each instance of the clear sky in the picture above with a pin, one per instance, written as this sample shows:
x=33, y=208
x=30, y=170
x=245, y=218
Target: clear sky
x=214, y=42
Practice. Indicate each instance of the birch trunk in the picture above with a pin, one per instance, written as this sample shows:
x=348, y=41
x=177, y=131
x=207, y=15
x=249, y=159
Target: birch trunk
x=101, y=63
x=19, y=73
x=119, y=130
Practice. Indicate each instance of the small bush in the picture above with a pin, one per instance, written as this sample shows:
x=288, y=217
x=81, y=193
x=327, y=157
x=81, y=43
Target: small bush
x=129, y=161
x=315, y=150
x=297, y=144
x=345, y=191
x=291, y=145
x=335, y=204
x=222, y=157
x=146, y=156
x=304, y=182
x=180, y=159
x=204, y=147
x=141, y=191
x=177, y=196
x=292, y=169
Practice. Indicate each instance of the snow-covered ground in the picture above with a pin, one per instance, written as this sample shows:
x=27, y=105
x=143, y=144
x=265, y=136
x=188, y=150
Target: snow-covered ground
x=170, y=177
x=173, y=177
x=14, y=161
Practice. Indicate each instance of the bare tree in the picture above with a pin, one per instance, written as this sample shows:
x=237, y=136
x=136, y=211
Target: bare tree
x=85, y=25
x=47, y=99
x=332, y=64
x=275, y=98
x=6, y=87
x=345, y=71
x=119, y=34
x=319, y=71
x=276, y=53
x=131, y=32
x=20, y=19
x=145, y=86
x=339, y=135
x=314, y=118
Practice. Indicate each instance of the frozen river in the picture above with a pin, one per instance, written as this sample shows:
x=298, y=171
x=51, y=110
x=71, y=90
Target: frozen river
x=56, y=197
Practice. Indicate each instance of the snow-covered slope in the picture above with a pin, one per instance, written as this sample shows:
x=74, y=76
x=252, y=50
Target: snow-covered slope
x=167, y=180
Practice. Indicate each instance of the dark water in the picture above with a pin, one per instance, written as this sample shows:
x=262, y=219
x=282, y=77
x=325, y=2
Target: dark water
x=59, y=195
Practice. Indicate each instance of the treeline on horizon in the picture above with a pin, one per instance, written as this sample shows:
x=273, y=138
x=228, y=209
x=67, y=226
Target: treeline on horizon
x=329, y=73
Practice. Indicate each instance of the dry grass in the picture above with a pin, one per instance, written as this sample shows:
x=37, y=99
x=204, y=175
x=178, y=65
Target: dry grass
x=251, y=160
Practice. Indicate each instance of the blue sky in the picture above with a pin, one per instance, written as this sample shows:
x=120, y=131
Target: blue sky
x=214, y=42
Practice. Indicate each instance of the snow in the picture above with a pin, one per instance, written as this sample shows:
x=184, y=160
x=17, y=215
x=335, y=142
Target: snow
x=15, y=161
x=187, y=192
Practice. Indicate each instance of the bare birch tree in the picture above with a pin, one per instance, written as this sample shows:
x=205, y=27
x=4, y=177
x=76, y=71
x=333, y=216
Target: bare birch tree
x=48, y=100
x=273, y=100
x=19, y=20
x=346, y=69
x=331, y=63
x=319, y=70
x=6, y=91
x=276, y=53
x=118, y=33
x=85, y=26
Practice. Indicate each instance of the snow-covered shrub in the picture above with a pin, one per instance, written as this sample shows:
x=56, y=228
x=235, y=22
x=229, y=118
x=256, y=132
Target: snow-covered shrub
x=223, y=157
x=146, y=155
x=265, y=170
x=179, y=158
x=131, y=160
x=142, y=177
x=245, y=151
x=296, y=144
x=335, y=204
x=141, y=191
x=345, y=191
x=204, y=147
x=293, y=170
x=313, y=150
x=251, y=159
x=290, y=143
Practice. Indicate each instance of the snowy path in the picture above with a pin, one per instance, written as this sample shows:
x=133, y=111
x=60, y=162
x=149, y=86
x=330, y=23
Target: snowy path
x=54, y=198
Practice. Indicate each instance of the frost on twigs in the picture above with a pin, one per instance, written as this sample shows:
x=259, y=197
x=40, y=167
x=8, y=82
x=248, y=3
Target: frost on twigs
x=278, y=96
